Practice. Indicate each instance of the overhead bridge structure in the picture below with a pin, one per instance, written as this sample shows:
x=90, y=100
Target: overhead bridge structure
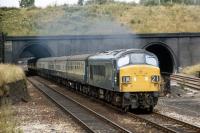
x=174, y=50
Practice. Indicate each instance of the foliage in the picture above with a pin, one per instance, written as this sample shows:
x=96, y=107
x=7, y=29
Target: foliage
x=26, y=3
x=63, y=20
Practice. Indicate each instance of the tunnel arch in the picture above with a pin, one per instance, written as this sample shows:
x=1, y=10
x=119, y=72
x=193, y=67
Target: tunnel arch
x=165, y=54
x=34, y=50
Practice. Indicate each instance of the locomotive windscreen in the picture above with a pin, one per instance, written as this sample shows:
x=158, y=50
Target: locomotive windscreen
x=137, y=58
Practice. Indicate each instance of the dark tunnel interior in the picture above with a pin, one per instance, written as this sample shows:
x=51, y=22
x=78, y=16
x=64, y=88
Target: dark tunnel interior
x=166, y=61
x=35, y=50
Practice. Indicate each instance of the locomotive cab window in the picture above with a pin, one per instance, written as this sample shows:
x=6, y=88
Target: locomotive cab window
x=151, y=60
x=123, y=61
x=137, y=58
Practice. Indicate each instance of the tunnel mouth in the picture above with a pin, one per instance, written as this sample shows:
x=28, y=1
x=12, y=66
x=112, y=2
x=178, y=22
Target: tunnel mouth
x=165, y=57
x=35, y=50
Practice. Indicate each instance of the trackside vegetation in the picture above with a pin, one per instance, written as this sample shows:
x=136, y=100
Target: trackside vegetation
x=8, y=74
x=7, y=122
x=63, y=20
x=192, y=70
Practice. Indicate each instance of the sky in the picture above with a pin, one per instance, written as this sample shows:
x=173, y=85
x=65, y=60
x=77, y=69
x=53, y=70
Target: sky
x=44, y=3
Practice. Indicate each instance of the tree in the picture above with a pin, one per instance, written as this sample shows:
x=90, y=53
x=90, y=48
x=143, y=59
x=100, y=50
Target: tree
x=80, y=2
x=26, y=3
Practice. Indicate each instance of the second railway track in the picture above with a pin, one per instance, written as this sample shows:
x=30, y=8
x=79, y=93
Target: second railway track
x=148, y=123
x=92, y=121
x=186, y=80
x=165, y=122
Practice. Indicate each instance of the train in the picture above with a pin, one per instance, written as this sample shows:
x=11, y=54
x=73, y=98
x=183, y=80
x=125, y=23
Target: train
x=126, y=78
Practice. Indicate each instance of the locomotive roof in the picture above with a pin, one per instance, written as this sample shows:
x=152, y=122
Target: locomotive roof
x=115, y=53
x=112, y=54
x=73, y=57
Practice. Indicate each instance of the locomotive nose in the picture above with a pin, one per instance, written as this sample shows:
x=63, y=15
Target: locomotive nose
x=139, y=78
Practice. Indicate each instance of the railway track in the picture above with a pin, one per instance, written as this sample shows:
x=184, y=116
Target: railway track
x=90, y=120
x=185, y=80
x=155, y=120
x=167, y=124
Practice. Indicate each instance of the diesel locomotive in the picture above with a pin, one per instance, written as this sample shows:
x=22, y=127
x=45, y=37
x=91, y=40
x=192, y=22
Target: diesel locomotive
x=127, y=78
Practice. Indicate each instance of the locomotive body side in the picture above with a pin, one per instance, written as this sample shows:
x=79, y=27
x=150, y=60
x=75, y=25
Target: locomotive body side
x=101, y=73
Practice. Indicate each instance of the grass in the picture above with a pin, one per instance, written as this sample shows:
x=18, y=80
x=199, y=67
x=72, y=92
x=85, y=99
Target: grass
x=8, y=73
x=191, y=70
x=7, y=122
x=99, y=19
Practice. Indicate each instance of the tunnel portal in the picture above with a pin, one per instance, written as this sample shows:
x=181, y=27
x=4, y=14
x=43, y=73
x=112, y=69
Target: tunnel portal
x=35, y=50
x=165, y=57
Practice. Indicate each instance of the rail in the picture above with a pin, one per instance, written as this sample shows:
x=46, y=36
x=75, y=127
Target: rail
x=168, y=124
x=185, y=80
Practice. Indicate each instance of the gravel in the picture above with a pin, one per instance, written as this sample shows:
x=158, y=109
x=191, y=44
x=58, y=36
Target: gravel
x=41, y=115
x=182, y=104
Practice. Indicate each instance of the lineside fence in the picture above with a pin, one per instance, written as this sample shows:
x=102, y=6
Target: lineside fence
x=185, y=80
